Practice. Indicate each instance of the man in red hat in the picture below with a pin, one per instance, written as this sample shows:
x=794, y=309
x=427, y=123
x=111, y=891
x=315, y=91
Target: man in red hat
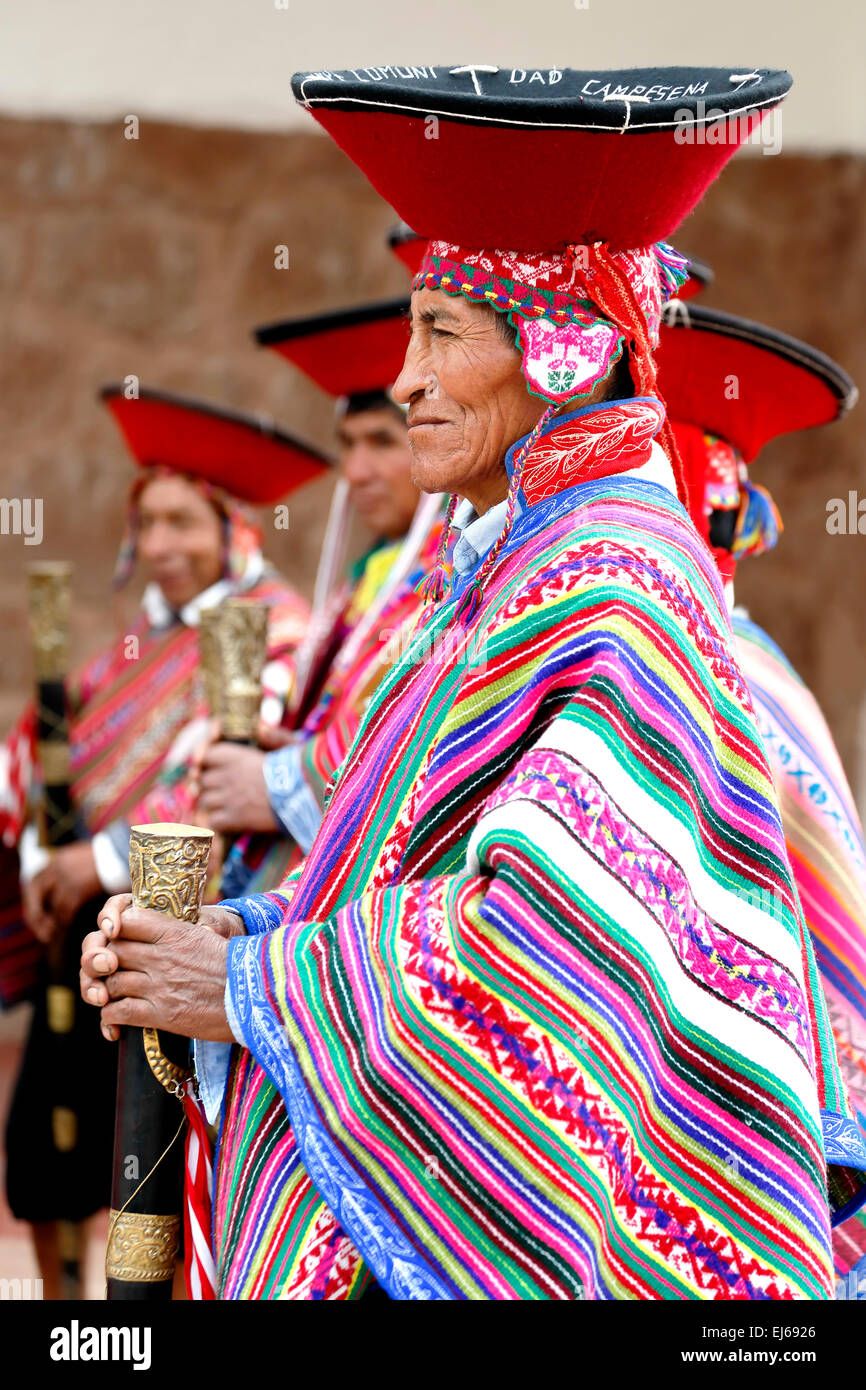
x=353, y=354
x=135, y=710
x=524, y=1024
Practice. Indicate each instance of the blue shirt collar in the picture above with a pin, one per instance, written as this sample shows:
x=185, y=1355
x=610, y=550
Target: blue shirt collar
x=477, y=533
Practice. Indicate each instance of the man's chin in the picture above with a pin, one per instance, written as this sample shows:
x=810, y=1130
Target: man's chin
x=432, y=470
x=175, y=595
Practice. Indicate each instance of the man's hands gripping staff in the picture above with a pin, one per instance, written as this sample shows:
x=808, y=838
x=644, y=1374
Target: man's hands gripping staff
x=150, y=970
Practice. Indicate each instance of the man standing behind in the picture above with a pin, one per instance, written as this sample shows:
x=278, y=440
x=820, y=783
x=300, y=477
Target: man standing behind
x=133, y=712
x=354, y=355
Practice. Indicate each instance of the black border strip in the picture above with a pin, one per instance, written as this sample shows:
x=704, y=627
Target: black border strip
x=574, y=112
x=314, y=324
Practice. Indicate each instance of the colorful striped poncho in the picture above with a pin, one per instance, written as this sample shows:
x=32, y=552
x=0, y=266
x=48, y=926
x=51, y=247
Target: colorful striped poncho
x=828, y=858
x=330, y=728
x=132, y=709
x=539, y=1017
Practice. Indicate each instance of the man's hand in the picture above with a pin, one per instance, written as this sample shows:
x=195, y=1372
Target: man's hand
x=270, y=738
x=149, y=970
x=196, y=762
x=36, y=897
x=233, y=792
x=55, y=894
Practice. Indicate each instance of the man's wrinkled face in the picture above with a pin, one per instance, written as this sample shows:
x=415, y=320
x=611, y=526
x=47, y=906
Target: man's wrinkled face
x=180, y=539
x=375, y=460
x=467, y=398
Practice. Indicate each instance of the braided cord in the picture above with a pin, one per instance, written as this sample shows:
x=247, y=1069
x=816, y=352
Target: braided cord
x=432, y=586
x=470, y=600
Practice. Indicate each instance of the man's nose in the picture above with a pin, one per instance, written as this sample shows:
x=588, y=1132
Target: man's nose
x=155, y=541
x=414, y=377
x=356, y=463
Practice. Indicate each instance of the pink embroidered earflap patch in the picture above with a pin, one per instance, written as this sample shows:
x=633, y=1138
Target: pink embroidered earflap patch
x=567, y=361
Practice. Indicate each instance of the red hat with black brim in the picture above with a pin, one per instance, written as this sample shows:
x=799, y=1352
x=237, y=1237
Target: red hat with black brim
x=347, y=352
x=246, y=455
x=744, y=382
x=541, y=159
x=409, y=249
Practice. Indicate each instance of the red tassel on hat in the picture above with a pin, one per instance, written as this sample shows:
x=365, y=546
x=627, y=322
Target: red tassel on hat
x=613, y=294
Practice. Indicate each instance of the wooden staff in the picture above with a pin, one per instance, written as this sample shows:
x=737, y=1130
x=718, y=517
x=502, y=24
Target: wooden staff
x=49, y=592
x=49, y=600
x=168, y=872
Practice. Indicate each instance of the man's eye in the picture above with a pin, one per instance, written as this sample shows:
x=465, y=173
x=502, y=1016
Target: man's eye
x=440, y=332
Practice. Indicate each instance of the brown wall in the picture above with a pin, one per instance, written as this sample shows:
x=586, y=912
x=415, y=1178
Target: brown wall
x=155, y=257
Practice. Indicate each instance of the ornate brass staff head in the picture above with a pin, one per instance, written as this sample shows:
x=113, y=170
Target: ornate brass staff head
x=168, y=867
x=168, y=870
x=242, y=636
x=209, y=654
x=48, y=591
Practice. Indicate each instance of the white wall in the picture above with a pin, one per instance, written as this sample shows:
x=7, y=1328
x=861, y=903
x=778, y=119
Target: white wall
x=228, y=62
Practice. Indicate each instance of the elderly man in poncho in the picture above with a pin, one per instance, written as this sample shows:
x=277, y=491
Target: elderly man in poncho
x=538, y=1016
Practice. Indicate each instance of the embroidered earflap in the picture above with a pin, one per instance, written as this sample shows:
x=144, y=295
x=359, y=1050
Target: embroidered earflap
x=567, y=362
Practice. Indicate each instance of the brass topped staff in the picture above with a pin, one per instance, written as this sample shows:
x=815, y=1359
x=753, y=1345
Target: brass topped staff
x=242, y=645
x=168, y=870
x=209, y=659
x=234, y=645
x=49, y=585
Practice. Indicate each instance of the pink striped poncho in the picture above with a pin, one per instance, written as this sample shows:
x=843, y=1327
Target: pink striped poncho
x=539, y=1017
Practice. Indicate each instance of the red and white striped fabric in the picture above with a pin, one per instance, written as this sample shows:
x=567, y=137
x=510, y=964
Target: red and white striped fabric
x=199, y=1265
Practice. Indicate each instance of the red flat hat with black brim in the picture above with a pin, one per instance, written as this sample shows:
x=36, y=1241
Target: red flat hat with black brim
x=536, y=160
x=409, y=249
x=246, y=455
x=744, y=382
x=347, y=352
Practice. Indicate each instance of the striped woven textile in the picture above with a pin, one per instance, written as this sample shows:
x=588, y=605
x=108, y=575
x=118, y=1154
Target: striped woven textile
x=539, y=1016
x=357, y=669
x=825, y=846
